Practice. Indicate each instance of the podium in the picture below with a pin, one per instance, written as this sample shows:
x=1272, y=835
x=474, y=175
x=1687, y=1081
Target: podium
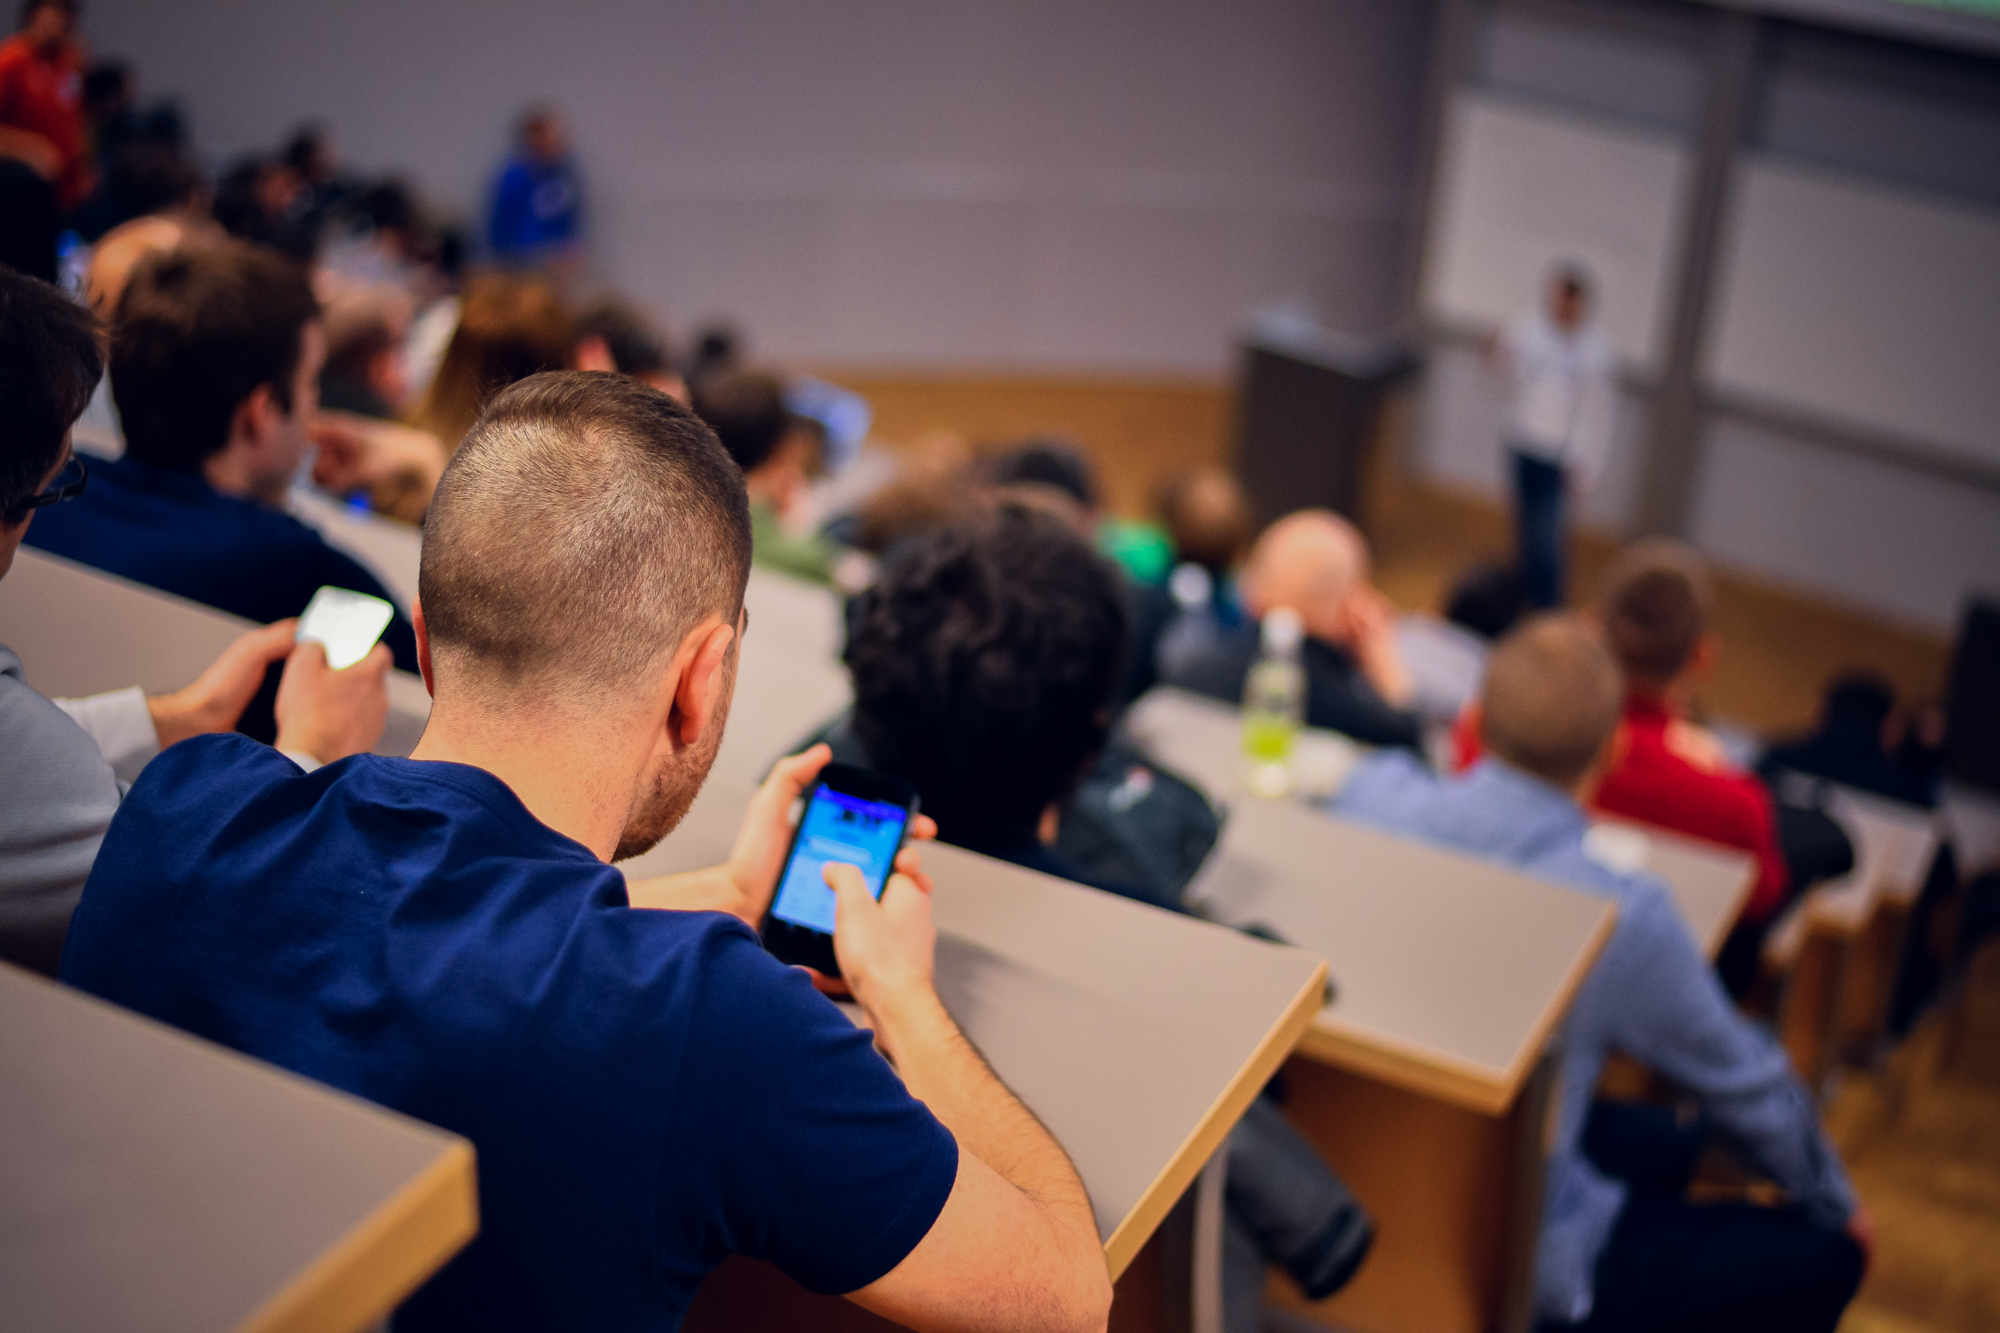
x=1310, y=408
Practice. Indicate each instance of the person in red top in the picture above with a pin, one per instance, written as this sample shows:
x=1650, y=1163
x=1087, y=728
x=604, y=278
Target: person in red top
x=1653, y=608
x=41, y=99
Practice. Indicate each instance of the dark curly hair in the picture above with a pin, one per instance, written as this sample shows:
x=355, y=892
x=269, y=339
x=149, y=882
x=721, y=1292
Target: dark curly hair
x=984, y=660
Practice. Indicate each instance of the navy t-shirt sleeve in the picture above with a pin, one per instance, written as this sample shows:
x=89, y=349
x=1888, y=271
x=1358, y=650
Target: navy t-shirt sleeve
x=814, y=1155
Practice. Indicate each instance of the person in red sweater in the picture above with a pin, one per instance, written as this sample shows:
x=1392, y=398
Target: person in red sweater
x=1653, y=608
x=41, y=99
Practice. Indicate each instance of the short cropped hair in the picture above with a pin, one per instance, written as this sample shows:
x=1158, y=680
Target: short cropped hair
x=586, y=524
x=984, y=660
x=746, y=409
x=49, y=366
x=1654, y=606
x=197, y=331
x=1551, y=699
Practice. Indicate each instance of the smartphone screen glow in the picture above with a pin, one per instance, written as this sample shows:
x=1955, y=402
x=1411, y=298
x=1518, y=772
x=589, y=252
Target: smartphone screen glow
x=837, y=827
x=347, y=623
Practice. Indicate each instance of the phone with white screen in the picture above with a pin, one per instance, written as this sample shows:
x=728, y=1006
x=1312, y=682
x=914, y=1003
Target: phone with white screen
x=347, y=623
x=852, y=814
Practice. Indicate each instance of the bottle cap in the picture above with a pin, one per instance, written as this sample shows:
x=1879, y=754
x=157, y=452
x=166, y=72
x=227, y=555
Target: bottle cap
x=1191, y=586
x=1283, y=630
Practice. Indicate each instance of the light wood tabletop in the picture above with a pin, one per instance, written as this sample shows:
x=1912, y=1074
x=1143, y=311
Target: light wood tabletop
x=154, y=1181
x=1450, y=973
x=80, y=631
x=1137, y=1035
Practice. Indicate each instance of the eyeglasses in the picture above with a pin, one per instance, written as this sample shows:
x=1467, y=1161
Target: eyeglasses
x=69, y=483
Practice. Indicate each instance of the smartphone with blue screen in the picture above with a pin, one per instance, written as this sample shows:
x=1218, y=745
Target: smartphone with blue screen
x=852, y=814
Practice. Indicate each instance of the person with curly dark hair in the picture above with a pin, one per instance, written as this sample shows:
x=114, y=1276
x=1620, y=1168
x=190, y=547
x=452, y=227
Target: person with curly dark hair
x=984, y=662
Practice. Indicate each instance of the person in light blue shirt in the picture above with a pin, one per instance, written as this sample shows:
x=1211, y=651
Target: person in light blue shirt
x=1621, y=1248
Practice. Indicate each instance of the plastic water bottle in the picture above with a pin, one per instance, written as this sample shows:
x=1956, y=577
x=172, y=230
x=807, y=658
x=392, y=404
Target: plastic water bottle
x=1274, y=704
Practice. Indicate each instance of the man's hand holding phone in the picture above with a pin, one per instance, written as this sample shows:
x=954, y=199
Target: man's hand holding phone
x=887, y=948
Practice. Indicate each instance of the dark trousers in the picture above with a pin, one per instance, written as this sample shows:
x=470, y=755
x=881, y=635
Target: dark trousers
x=27, y=221
x=1283, y=1205
x=1674, y=1265
x=1538, y=528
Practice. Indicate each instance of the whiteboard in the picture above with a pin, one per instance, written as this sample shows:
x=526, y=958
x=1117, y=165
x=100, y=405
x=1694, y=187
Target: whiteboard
x=1521, y=187
x=1855, y=300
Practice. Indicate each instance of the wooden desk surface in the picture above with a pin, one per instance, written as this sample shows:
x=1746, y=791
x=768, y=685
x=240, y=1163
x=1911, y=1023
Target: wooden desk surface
x=79, y=631
x=150, y=1180
x=1450, y=973
x=1138, y=1036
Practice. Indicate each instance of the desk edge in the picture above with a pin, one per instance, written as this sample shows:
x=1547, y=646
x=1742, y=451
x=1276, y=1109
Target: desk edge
x=1439, y=1075
x=1145, y=1216
x=384, y=1258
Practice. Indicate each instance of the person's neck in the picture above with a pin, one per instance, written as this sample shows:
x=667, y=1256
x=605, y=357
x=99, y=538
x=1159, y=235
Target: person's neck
x=579, y=781
x=775, y=491
x=229, y=472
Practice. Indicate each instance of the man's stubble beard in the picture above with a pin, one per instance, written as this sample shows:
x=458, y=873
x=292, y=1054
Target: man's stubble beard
x=676, y=785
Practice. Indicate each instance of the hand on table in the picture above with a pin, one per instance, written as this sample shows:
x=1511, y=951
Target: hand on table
x=218, y=696
x=331, y=714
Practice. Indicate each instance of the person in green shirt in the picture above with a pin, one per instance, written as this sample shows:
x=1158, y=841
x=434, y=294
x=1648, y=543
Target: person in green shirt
x=746, y=409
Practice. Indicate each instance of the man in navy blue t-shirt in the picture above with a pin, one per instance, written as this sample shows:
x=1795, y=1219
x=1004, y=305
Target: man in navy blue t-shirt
x=648, y=1090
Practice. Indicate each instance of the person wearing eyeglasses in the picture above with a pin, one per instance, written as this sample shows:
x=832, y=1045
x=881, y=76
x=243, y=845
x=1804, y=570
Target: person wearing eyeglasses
x=64, y=763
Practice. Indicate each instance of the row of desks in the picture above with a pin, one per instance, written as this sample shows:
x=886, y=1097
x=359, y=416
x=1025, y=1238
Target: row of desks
x=1424, y=1079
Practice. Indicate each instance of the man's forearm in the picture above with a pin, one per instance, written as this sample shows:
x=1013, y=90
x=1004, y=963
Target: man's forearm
x=943, y=1070
x=710, y=890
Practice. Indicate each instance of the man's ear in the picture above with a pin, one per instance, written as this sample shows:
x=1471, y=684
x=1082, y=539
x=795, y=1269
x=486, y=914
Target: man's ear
x=423, y=646
x=698, y=693
x=1707, y=652
x=255, y=418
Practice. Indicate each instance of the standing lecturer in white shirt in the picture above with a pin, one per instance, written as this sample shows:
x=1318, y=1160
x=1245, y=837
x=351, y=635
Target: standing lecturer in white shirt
x=1558, y=430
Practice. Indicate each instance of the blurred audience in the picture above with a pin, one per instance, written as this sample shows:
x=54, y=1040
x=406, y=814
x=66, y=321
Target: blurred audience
x=1316, y=563
x=1621, y=1245
x=263, y=201
x=510, y=326
x=215, y=366
x=63, y=762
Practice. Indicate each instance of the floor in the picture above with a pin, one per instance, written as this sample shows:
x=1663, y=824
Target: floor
x=1921, y=1131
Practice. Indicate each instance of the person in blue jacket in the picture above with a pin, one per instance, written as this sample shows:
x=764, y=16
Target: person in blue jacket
x=537, y=217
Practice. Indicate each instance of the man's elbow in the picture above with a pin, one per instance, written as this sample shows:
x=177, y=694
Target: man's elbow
x=1088, y=1309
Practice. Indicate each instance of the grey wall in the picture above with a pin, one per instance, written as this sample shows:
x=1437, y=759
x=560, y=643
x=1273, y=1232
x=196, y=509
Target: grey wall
x=1884, y=518
x=1015, y=183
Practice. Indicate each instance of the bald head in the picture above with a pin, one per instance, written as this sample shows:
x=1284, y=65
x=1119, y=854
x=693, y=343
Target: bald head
x=585, y=527
x=1312, y=562
x=1552, y=699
